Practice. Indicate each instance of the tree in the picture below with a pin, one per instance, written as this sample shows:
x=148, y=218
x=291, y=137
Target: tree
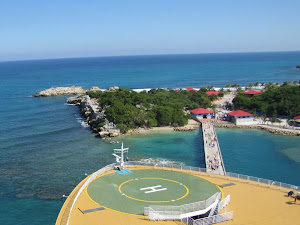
x=285, y=83
x=204, y=89
x=250, y=86
x=213, y=97
x=283, y=100
x=242, y=102
x=158, y=107
x=164, y=115
x=239, y=90
x=228, y=105
x=210, y=88
x=214, y=107
x=221, y=94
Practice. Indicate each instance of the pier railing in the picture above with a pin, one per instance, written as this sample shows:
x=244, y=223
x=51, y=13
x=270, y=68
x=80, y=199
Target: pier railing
x=219, y=149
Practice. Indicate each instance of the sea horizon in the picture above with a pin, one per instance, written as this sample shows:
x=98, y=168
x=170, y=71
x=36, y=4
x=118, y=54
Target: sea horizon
x=145, y=55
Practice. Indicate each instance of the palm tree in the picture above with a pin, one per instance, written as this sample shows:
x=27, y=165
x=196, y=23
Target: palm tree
x=214, y=107
x=210, y=88
x=256, y=84
x=250, y=86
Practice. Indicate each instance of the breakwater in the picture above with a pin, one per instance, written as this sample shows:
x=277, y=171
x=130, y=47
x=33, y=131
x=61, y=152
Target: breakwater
x=279, y=131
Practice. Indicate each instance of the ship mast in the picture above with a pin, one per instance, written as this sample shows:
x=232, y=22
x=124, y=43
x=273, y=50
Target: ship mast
x=120, y=159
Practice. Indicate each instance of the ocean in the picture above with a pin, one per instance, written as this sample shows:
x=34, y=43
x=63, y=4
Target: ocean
x=46, y=149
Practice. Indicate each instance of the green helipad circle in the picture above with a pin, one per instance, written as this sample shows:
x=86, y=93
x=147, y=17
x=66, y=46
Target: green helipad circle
x=165, y=190
x=131, y=192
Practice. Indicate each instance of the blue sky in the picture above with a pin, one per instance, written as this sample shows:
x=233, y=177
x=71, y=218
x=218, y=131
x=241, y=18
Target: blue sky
x=35, y=29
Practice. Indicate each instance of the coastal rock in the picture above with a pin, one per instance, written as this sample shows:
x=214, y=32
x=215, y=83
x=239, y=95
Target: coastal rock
x=95, y=117
x=184, y=128
x=298, y=67
x=114, y=88
x=74, y=100
x=103, y=134
x=60, y=91
x=94, y=88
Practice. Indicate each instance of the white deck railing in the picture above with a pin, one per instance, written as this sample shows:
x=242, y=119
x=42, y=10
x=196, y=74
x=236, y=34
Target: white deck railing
x=160, y=212
x=85, y=184
x=209, y=220
x=228, y=175
x=191, y=207
x=223, y=203
x=183, y=211
x=214, y=219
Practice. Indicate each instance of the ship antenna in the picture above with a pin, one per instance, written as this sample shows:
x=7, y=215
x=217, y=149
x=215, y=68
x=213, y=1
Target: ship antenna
x=120, y=158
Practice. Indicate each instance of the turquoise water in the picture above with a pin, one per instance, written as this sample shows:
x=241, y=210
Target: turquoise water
x=261, y=154
x=45, y=152
x=183, y=147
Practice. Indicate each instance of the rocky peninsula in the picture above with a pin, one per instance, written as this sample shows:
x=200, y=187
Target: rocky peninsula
x=96, y=114
x=73, y=90
x=95, y=117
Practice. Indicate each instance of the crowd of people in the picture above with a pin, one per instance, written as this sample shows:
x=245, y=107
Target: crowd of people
x=213, y=159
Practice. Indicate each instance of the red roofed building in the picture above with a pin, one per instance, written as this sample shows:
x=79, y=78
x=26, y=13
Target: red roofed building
x=201, y=113
x=252, y=92
x=240, y=117
x=297, y=117
x=212, y=92
x=297, y=121
x=191, y=89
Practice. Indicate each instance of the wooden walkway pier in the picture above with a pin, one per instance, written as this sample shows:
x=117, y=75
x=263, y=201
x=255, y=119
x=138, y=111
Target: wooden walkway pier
x=213, y=156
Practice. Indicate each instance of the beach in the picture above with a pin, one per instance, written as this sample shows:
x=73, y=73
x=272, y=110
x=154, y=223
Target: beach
x=192, y=125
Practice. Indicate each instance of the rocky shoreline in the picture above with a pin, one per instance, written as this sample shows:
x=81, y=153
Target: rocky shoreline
x=185, y=128
x=261, y=127
x=95, y=117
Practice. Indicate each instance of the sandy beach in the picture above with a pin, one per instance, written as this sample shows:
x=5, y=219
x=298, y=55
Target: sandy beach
x=192, y=124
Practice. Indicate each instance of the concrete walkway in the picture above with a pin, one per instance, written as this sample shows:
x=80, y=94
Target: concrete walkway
x=213, y=157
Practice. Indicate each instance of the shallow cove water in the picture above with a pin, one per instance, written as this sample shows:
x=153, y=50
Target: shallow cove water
x=45, y=151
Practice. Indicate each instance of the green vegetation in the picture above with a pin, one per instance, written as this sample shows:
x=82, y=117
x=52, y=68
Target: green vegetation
x=276, y=100
x=158, y=107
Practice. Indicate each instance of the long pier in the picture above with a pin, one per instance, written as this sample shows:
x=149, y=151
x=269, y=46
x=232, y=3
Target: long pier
x=213, y=156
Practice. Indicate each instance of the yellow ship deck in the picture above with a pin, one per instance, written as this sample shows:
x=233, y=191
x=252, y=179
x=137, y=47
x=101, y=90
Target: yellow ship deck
x=251, y=202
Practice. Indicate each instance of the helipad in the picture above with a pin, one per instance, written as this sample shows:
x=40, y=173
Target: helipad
x=131, y=192
x=252, y=202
